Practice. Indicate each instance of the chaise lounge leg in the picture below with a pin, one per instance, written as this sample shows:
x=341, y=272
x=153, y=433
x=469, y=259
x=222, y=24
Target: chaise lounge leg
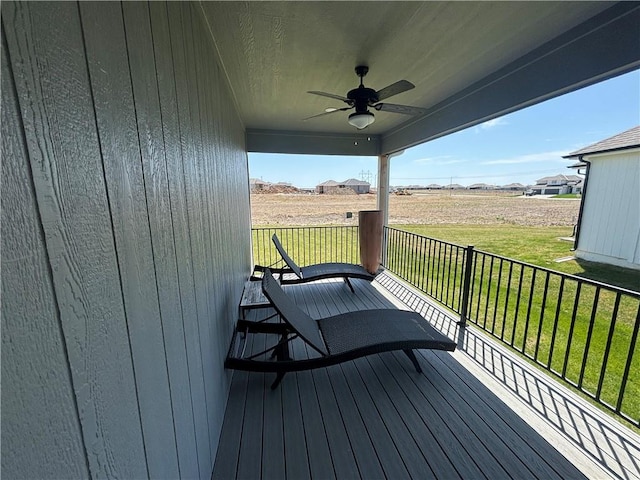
x=346, y=279
x=414, y=360
x=276, y=382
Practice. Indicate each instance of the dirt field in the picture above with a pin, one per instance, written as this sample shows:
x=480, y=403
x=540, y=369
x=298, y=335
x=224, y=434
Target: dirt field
x=440, y=208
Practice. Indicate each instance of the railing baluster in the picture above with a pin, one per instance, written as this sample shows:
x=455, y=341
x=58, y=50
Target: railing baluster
x=506, y=301
x=496, y=301
x=555, y=323
x=530, y=304
x=627, y=367
x=571, y=327
x=477, y=319
x=605, y=359
x=488, y=295
x=455, y=298
x=515, y=314
x=541, y=320
x=592, y=323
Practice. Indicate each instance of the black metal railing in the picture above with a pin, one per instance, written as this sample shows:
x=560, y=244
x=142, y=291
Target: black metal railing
x=307, y=245
x=581, y=331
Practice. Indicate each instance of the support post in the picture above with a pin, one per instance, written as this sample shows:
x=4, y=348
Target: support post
x=382, y=198
x=382, y=202
x=466, y=285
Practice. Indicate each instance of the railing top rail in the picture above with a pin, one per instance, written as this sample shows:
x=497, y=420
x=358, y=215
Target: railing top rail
x=306, y=227
x=577, y=278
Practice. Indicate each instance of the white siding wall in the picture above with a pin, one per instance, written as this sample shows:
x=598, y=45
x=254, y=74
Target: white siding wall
x=610, y=229
x=125, y=240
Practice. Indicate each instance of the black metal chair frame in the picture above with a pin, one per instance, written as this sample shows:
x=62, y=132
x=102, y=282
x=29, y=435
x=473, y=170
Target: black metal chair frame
x=314, y=272
x=336, y=339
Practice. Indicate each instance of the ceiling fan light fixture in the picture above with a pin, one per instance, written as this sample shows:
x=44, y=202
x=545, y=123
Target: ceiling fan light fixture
x=361, y=120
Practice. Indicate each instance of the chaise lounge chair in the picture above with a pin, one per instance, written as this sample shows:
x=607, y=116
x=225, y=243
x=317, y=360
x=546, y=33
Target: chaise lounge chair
x=318, y=271
x=336, y=339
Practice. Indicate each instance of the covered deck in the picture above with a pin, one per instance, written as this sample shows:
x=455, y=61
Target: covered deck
x=479, y=412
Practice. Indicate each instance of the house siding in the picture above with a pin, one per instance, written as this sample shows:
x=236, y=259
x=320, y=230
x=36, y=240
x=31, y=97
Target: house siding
x=610, y=229
x=125, y=240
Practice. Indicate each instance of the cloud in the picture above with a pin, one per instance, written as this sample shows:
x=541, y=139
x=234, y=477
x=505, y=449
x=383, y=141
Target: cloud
x=490, y=124
x=439, y=160
x=553, y=156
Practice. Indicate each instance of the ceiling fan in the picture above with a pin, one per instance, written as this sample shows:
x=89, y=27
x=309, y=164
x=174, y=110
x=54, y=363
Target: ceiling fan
x=362, y=98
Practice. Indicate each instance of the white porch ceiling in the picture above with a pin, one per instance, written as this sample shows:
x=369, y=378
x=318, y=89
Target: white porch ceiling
x=470, y=61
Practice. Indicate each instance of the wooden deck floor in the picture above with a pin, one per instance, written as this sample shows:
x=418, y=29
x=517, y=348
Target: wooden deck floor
x=475, y=413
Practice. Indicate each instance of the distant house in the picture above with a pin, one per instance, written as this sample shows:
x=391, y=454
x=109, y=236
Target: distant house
x=608, y=228
x=330, y=186
x=513, y=186
x=481, y=186
x=255, y=185
x=327, y=187
x=433, y=186
x=357, y=186
x=454, y=186
x=556, y=185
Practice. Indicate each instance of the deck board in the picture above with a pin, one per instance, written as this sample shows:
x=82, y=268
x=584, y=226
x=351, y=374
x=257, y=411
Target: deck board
x=376, y=417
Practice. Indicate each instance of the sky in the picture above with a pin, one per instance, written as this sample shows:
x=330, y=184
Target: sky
x=516, y=148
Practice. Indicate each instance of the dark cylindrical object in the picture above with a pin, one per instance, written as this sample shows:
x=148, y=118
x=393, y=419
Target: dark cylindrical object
x=370, y=227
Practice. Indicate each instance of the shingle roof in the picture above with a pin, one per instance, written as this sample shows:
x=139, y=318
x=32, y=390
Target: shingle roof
x=627, y=139
x=328, y=183
x=568, y=178
x=353, y=181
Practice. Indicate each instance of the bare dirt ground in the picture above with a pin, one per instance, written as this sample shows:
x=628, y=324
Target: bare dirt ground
x=432, y=208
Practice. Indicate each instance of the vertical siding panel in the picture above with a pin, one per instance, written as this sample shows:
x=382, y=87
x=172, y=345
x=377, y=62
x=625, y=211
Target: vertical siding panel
x=228, y=170
x=55, y=100
x=38, y=407
x=116, y=117
x=195, y=61
x=218, y=218
x=145, y=76
x=610, y=223
x=192, y=157
x=181, y=181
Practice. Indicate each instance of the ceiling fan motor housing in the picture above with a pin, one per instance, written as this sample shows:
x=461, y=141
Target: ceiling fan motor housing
x=362, y=97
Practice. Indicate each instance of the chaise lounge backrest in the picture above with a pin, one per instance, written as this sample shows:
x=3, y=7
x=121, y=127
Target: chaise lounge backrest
x=287, y=259
x=305, y=326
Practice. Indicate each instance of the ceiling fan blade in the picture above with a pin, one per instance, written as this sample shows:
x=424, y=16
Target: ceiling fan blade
x=328, y=112
x=407, y=110
x=330, y=95
x=394, y=89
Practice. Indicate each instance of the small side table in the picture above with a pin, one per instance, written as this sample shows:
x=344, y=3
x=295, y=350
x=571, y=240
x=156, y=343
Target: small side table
x=252, y=298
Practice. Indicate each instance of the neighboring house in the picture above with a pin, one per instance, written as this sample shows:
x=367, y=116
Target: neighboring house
x=608, y=228
x=481, y=186
x=513, y=186
x=256, y=185
x=330, y=186
x=556, y=185
x=327, y=187
x=357, y=186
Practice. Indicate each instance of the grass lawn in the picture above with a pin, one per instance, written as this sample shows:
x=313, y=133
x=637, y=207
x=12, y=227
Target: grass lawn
x=535, y=245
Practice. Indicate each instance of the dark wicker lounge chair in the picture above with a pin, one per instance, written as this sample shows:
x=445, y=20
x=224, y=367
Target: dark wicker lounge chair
x=336, y=339
x=295, y=274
